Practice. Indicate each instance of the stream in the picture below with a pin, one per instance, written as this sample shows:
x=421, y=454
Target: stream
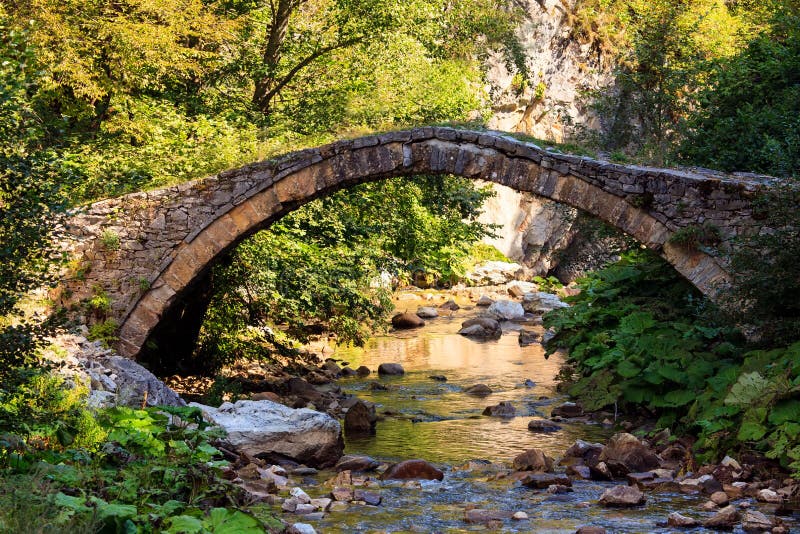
x=438, y=422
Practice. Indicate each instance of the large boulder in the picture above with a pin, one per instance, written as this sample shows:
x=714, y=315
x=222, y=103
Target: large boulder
x=413, y=470
x=135, y=384
x=506, y=310
x=504, y=409
x=626, y=454
x=407, y=320
x=494, y=273
x=622, y=496
x=391, y=369
x=540, y=302
x=268, y=429
x=360, y=418
x=481, y=327
x=533, y=460
x=427, y=312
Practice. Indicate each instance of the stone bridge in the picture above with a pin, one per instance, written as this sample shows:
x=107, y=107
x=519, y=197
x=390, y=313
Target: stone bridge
x=150, y=252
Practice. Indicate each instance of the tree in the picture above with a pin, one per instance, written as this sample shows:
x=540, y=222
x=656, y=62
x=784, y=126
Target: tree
x=660, y=69
x=749, y=115
x=31, y=207
x=283, y=38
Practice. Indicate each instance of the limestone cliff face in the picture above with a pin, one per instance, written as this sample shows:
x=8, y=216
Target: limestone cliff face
x=534, y=231
x=561, y=69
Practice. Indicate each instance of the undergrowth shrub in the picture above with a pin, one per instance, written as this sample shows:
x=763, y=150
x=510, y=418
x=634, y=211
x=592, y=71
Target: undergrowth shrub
x=640, y=337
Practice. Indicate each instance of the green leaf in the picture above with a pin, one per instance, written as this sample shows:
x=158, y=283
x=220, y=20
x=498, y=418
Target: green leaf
x=785, y=411
x=751, y=431
x=636, y=323
x=674, y=399
x=184, y=524
x=628, y=369
x=749, y=388
x=224, y=521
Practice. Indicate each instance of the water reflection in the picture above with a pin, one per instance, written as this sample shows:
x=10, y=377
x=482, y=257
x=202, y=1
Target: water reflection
x=437, y=421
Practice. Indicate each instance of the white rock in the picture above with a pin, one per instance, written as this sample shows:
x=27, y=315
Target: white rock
x=494, y=273
x=301, y=528
x=730, y=462
x=300, y=495
x=767, y=495
x=134, y=381
x=264, y=427
x=519, y=516
x=101, y=399
x=506, y=310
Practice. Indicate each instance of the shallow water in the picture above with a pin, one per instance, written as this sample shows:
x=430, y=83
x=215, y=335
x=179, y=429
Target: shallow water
x=436, y=421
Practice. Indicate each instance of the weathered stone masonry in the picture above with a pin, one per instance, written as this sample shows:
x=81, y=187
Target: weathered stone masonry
x=169, y=238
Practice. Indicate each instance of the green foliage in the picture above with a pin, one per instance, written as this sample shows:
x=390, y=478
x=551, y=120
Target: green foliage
x=635, y=339
x=40, y=407
x=549, y=285
x=152, y=470
x=31, y=207
x=110, y=240
x=661, y=49
x=105, y=332
x=319, y=268
x=695, y=236
x=749, y=114
x=765, y=290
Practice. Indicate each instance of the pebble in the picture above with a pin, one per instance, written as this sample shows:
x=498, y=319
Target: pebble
x=519, y=516
x=677, y=520
x=301, y=528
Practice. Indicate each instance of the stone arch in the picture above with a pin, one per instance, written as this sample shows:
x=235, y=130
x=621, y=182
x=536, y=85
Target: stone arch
x=648, y=204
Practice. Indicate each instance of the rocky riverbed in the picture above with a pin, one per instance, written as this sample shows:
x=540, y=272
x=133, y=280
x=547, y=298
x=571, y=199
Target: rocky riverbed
x=440, y=428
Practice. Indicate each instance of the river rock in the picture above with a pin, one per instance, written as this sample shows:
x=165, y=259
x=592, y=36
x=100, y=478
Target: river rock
x=506, y=310
x=542, y=425
x=450, y=305
x=533, y=460
x=540, y=302
x=579, y=471
x=332, y=367
x=369, y=497
x=301, y=528
x=407, y=320
x=342, y=494
x=720, y=498
x=590, y=530
x=322, y=503
x=478, y=390
x=568, y=410
x=485, y=301
x=266, y=395
x=583, y=449
x=681, y=521
x=413, y=469
x=361, y=418
x=527, y=337
x=438, y=378
x=545, y=480
x=756, y=522
x=481, y=327
x=391, y=369
x=265, y=428
x=135, y=384
x=625, y=454
x=770, y=496
x=480, y=516
x=427, y=312
x=350, y=462
x=504, y=409
x=363, y=371
x=620, y=496
x=724, y=519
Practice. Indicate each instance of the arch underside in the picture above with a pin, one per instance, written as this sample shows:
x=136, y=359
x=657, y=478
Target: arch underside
x=280, y=187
